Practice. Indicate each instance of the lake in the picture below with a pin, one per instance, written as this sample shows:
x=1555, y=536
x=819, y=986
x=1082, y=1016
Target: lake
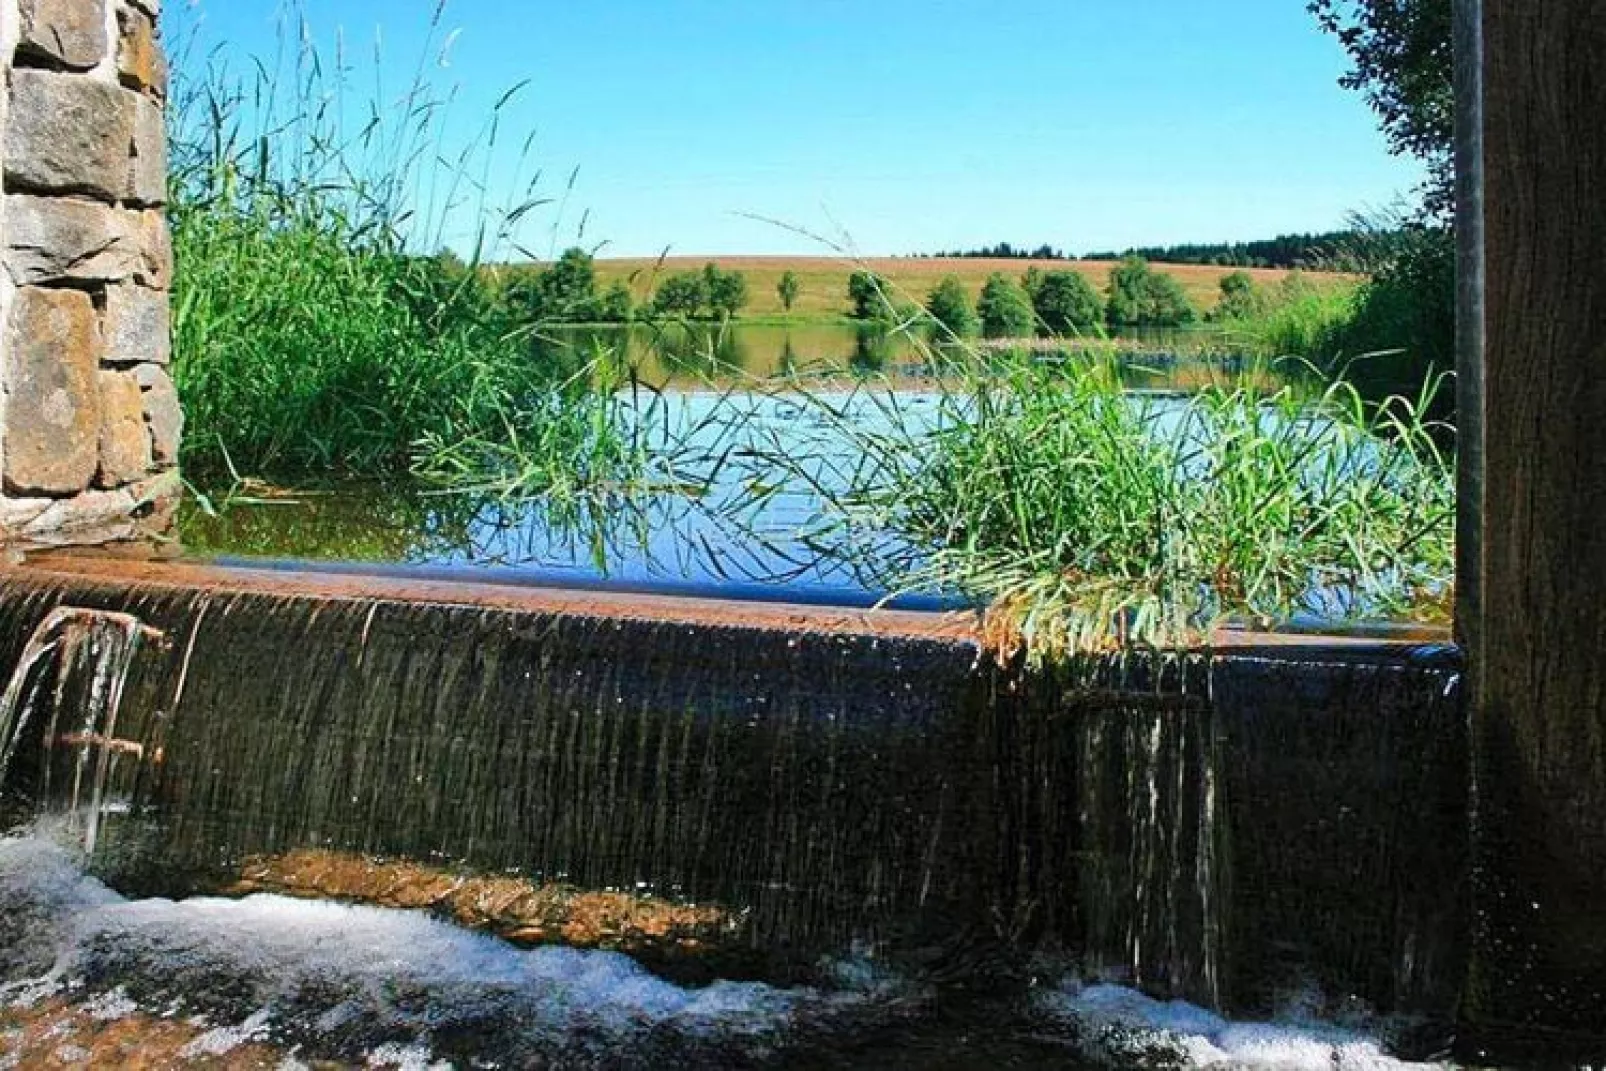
x=710, y=533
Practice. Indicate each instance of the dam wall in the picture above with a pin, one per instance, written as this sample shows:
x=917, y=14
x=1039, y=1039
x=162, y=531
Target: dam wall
x=1242, y=829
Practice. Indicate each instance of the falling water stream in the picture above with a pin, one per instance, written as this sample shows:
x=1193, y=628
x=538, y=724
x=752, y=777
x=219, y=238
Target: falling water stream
x=255, y=827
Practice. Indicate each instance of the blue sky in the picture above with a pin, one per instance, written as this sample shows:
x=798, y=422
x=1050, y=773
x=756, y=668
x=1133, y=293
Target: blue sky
x=894, y=126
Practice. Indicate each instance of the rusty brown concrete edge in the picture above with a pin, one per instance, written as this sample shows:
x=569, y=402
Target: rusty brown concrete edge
x=960, y=629
x=955, y=628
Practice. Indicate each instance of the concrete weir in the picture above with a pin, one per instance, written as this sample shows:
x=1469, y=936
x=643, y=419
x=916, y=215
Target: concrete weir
x=767, y=785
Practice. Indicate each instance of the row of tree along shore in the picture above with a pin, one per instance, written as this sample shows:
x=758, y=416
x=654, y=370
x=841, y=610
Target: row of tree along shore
x=1039, y=302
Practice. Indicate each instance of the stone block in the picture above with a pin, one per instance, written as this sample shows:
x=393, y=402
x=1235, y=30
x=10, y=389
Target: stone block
x=140, y=63
x=138, y=325
x=154, y=245
x=162, y=413
x=68, y=134
x=125, y=442
x=66, y=33
x=147, y=170
x=16, y=513
x=92, y=509
x=52, y=418
x=57, y=240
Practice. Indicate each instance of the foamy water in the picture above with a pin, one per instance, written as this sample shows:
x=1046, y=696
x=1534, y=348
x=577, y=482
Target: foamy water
x=387, y=988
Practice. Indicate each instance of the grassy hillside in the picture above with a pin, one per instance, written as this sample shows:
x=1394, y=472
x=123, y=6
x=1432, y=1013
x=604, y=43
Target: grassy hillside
x=825, y=279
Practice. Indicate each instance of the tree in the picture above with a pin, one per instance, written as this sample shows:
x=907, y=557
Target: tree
x=1005, y=310
x=1032, y=281
x=1240, y=298
x=871, y=296
x=569, y=287
x=681, y=294
x=724, y=291
x=616, y=304
x=789, y=287
x=1066, y=302
x=1403, y=63
x=950, y=306
x=1141, y=297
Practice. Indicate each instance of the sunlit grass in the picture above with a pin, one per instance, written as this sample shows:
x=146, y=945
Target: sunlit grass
x=1086, y=518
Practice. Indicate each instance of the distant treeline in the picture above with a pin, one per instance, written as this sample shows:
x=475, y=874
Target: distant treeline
x=1001, y=251
x=1334, y=250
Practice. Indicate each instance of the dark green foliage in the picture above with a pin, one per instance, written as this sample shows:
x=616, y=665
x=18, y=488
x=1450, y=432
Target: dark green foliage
x=1241, y=298
x=682, y=294
x=1284, y=251
x=1065, y=302
x=726, y=291
x=1007, y=251
x=565, y=292
x=1005, y=309
x=871, y=296
x=788, y=288
x=1403, y=63
x=950, y=307
x=1032, y=281
x=1142, y=297
x=1403, y=329
x=616, y=306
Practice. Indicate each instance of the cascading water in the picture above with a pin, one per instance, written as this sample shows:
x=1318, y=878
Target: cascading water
x=63, y=701
x=724, y=800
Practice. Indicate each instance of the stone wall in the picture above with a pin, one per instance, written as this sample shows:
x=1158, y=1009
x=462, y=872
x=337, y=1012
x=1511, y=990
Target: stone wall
x=89, y=419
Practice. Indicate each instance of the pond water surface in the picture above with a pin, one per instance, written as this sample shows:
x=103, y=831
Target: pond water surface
x=708, y=534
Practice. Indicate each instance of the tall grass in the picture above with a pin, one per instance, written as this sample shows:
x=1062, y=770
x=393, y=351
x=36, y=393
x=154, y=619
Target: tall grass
x=1087, y=518
x=313, y=335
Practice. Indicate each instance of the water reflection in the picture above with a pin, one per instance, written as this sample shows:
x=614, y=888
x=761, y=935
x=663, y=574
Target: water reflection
x=755, y=463
x=700, y=354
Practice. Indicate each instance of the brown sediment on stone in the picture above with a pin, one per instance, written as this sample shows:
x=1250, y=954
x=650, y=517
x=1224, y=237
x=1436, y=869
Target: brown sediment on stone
x=73, y=566
x=58, y=1033
x=512, y=908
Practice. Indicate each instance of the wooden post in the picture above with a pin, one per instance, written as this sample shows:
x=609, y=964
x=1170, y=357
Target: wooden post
x=1533, y=543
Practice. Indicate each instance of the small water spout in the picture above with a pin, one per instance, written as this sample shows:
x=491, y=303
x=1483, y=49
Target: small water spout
x=73, y=670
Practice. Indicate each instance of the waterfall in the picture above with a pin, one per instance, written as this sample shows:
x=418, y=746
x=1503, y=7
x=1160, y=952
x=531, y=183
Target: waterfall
x=1232, y=830
x=63, y=699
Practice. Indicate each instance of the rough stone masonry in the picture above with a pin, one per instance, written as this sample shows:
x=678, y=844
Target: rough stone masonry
x=89, y=418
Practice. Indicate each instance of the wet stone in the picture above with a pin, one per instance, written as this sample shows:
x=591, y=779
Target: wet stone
x=68, y=134
x=52, y=421
x=69, y=33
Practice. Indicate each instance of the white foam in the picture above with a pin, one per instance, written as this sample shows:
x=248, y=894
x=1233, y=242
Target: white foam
x=331, y=968
x=1123, y=1025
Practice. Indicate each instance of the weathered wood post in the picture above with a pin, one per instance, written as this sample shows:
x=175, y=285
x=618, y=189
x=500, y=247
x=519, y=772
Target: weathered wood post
x=89, y=419
x=1533, y=617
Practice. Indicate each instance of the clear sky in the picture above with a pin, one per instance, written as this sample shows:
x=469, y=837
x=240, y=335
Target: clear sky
x=904, y=125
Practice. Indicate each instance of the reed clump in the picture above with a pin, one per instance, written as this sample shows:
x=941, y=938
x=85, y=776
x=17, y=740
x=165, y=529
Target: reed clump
x=1087, y=518
x=313, y=336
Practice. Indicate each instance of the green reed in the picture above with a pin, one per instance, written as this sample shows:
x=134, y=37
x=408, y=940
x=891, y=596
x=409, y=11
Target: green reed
x=1085, y=517
x=312, y=335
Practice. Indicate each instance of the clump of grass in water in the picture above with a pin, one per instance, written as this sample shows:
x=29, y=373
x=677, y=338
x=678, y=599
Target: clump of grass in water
x=310, y=337
x=1088, y=519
